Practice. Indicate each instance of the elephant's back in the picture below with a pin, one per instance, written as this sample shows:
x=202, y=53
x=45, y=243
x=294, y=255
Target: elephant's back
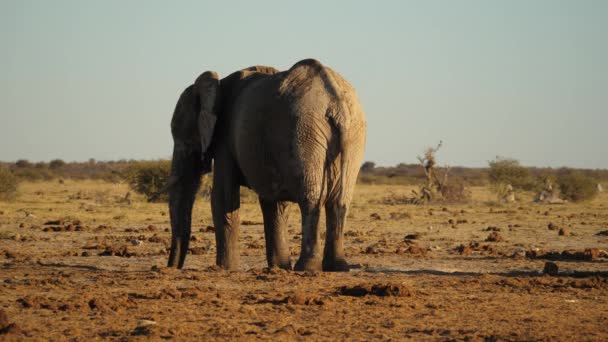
x=287, y=127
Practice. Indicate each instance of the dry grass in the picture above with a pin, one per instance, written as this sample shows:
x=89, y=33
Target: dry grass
x=103, y=280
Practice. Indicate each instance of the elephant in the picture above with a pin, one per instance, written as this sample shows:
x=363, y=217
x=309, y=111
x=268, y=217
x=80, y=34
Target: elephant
x=291, y=136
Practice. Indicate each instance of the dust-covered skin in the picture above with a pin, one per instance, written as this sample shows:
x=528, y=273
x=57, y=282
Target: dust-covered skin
x=436, y=272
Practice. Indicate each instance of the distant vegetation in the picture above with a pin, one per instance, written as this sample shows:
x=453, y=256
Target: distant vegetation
x=503, y=171
x=8, y=184
x=149, y=177
x=413, y=174
x=576, y=186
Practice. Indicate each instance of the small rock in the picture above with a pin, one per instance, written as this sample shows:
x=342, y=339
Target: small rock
x=563, y=232
x=551, y=268
x=136, y=242
x=413, y=236
x=464, y=250
x=494, y=237
x=373, y=249
x=145, y=323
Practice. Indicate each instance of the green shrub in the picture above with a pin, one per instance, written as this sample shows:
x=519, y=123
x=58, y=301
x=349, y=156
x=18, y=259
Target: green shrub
x=8, y=184
x=56, y=164
x=509, y=171
x=34, y=174
x=575, y=186
x=23, y=163
x=149, y=179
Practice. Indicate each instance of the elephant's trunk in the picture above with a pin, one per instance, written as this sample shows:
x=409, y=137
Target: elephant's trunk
x=184, y=182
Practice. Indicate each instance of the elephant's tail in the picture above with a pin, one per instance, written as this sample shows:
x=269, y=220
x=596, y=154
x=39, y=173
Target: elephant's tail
x=348, y=140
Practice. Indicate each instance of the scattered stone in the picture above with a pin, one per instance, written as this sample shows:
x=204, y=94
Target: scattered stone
x=197, y=250
x=492, y=229
x=300, y=298
x=494, y=237
x=136, y=242
x=145, y=323
x=552, y=226
x=54, y=223
x=250, y=223
x=208, y=229
x=375, y=216
x=413, y=236
x=563, y=232
x=484, y=249
x=400, y=216
x=464, y=250
x=602, y=233
x=380, y=290
x=373, y=249
x=117, y=251
x=156, y=239
x=551, y=268
x=414, y=250
x=7, y=328
x=588, y=254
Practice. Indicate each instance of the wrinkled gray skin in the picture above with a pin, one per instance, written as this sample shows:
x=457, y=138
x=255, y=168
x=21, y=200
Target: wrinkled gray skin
x=293, y=136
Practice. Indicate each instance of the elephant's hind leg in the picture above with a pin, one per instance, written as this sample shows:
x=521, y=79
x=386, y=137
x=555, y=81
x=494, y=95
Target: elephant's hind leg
x=275, y=229
x=333, y=255
x=310, y=256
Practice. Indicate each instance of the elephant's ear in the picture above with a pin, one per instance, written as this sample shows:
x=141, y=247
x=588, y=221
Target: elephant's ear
x=207, y=88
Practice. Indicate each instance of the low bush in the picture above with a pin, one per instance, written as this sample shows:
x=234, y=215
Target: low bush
x=455, y=192
x=509, y=171
x=149, y=179
x=8, y=184
x=576, y=187
x=33, y=174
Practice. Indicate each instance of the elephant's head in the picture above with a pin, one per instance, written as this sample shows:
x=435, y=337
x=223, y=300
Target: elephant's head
x=193, y=124
x=194, y=120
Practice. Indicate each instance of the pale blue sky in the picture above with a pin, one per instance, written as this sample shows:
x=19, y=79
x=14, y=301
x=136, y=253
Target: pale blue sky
x=522, y=79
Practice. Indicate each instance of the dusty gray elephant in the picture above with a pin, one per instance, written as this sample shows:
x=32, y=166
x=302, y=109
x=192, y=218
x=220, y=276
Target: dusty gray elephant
x=292, y=136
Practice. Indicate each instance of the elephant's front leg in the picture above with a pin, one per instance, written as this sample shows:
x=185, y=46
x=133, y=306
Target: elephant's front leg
x=275, y=231
x=310, y=256
x=225, y=203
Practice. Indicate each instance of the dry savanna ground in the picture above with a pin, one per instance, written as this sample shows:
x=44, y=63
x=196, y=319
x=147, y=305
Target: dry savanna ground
x=80, y=262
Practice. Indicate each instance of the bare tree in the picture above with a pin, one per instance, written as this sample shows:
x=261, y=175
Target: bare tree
x=435, y=183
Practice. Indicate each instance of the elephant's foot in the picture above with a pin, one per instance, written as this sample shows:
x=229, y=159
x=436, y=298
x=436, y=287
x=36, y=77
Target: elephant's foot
x=335, y=265
x=228, y=264
x=308, y=264
x=282, y=262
